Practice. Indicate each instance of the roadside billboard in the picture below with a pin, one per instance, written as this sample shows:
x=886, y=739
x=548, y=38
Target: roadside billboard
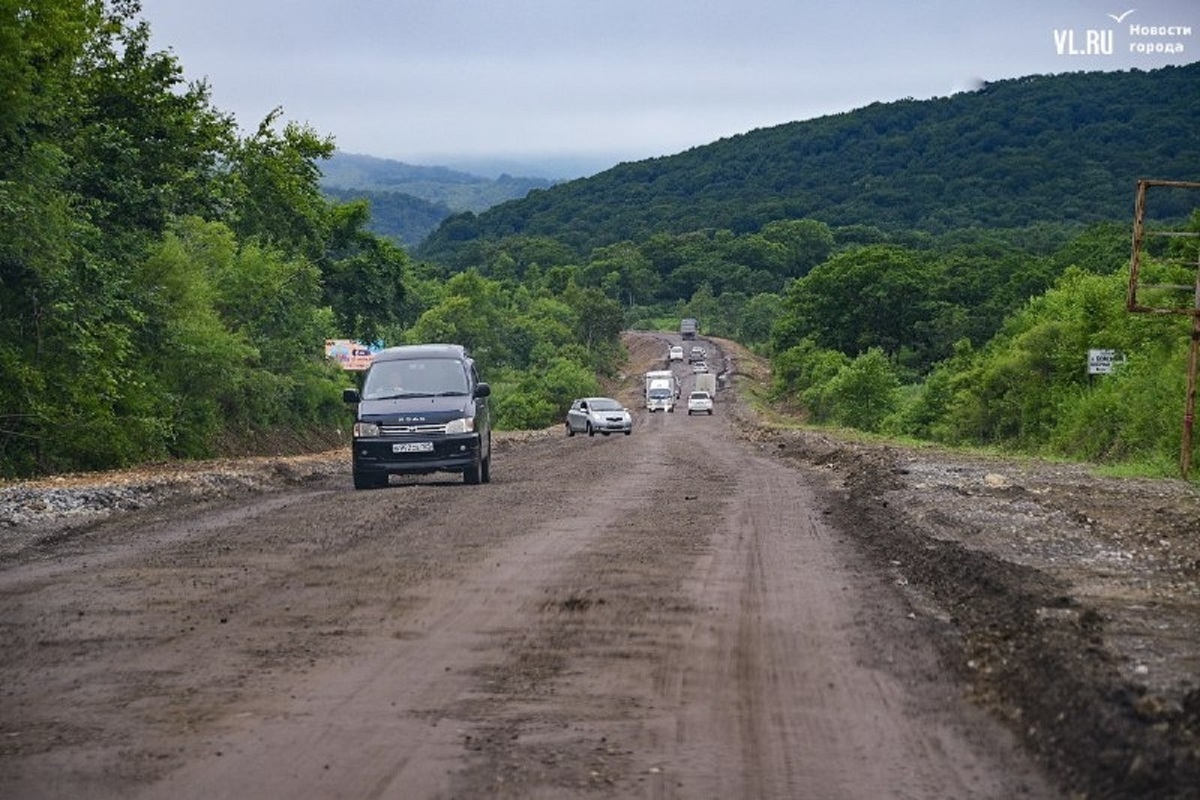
x=350, y=354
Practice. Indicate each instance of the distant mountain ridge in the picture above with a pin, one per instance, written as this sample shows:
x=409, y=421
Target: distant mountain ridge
x=409, y=201
x=1065, y=148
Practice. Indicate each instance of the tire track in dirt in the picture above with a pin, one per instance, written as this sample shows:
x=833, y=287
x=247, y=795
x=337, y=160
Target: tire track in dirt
x=719, y=644
x=399, y=698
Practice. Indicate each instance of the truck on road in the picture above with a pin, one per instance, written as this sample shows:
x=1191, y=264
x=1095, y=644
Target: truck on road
x=688, y=328
x=662, y=390
x=706, y=382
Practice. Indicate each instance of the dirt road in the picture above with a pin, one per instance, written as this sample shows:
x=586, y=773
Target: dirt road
x=680, y=613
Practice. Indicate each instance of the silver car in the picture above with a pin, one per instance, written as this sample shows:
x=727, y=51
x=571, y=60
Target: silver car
x=592, y=415
x=700, y=402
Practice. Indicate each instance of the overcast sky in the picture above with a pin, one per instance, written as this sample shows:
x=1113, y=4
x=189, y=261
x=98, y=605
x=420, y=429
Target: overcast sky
x=603, y=81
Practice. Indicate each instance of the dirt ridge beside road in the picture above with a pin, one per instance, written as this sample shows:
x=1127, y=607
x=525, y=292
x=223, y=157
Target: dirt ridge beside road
x=1042, y=656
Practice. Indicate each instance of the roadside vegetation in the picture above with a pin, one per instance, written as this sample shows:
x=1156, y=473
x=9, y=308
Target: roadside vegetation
x=167, y=283
x=979, y=338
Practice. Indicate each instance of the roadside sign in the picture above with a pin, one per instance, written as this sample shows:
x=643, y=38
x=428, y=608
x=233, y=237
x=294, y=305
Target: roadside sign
x=1101, y=362
x=350, y=354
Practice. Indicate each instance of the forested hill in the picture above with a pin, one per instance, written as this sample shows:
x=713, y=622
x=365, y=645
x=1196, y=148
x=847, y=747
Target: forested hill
x=408, y=201
x=1057, y=148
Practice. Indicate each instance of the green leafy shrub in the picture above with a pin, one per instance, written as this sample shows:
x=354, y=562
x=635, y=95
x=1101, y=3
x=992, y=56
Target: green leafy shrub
x=803, y=367
x=1133, y=414
x=540, y=398
x=863, y=393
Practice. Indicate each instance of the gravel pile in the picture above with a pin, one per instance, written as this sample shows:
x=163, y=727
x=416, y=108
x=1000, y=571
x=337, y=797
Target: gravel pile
x=88, y=496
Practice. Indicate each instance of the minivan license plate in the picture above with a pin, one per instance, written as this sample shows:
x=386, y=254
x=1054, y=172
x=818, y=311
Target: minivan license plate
x=413, y=447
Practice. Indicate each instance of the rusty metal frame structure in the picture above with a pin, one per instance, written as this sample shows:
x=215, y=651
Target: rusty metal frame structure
x=1140, y=235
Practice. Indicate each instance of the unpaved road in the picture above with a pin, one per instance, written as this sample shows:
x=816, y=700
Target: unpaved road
x=704, y=609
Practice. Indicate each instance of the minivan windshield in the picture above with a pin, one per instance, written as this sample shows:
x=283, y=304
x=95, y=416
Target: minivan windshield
x=417, y=377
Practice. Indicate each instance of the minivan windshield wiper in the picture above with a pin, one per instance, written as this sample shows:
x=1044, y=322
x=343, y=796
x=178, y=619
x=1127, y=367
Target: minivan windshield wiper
x=401, y=395
x=452, y=393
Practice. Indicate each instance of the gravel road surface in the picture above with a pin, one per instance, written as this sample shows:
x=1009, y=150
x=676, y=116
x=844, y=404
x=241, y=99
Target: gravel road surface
x=713, y=607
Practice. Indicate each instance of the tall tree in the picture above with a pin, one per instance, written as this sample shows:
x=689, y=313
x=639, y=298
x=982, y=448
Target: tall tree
x=145, y=146
x=807, y=242
x=876, y=296
x=471, y=313
x=363, y=276
x=275, y=188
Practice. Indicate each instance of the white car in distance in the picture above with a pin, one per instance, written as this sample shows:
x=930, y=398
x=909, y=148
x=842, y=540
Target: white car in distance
x=700, y=403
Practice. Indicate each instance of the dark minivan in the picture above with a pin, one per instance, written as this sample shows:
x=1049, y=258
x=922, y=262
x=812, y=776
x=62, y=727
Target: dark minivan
x=422, y=409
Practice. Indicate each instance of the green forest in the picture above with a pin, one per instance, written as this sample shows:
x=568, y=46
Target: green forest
x=167, y=285
x=409, y=202
x=934, y=270
x=400, y=217
x=1015, y=153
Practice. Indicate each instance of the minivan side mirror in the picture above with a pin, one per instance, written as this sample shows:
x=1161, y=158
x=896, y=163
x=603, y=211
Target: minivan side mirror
x=482, y=390
x=350, y=396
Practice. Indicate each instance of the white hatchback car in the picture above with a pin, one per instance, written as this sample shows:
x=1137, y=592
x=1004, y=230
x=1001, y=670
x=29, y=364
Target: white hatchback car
x=700, y=402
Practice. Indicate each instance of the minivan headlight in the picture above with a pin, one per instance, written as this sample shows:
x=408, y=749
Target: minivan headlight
x=365, y=429
x=461, y=425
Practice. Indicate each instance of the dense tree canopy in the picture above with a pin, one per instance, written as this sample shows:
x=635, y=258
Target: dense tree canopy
x=166, y=284
x=1012, y=154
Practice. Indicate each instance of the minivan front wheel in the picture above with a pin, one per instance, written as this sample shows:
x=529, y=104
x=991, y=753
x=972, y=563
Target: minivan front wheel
x=474, y=473
x=369, y=481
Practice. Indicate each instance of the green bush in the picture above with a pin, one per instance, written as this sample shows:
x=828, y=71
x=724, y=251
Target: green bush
x=864, y=392
x=804, y=367
x=1133, y=414
x=540, y=398
x=516, y=407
